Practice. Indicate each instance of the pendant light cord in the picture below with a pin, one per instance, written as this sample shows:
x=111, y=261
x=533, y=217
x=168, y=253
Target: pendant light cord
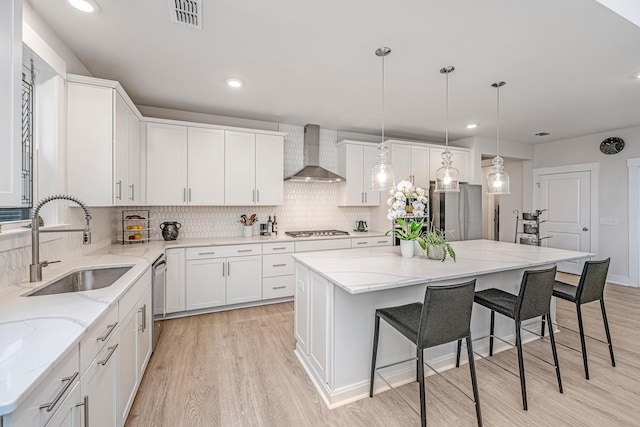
x=383, y=145
x=498, y=123
x=446, y=116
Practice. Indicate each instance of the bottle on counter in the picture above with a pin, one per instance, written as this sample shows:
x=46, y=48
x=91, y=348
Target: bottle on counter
x=274, y=226
x=269, y=226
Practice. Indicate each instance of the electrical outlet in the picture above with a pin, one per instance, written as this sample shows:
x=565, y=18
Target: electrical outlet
x=608, y=220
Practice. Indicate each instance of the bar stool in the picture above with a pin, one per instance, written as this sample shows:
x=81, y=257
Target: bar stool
x=444, y=317
x=533, y=300
x=590, y=288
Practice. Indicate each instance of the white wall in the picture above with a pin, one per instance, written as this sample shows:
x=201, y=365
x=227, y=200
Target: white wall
x=613, y=188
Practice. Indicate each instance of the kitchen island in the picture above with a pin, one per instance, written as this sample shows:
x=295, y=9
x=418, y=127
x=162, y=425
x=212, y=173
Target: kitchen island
x=338, y=292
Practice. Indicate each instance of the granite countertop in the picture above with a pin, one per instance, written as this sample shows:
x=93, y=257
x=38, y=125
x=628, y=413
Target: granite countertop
x=373, y=269
x=36, y=331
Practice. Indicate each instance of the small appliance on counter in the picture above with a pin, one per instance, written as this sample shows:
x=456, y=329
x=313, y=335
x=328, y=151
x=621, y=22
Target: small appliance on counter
x=170, y=230
x=361, y=226
x=264, y=229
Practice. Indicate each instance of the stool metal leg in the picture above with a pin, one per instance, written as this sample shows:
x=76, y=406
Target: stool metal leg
x=458, y=353
x=474, y=379
x=555, y=353
x=493, y=322
x=542, y=327
x=606, y=329
x=523, y=385
x=582, y=341
x=375, y=353
x=423, y=398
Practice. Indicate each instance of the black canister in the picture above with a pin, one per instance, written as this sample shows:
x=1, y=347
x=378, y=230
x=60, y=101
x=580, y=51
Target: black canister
x=170, y=230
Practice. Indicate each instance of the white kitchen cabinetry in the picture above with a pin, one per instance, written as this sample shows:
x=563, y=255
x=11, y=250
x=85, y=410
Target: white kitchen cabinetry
x=459, y=158
x=70, y=413
x=277, y=270
x=244, y=279
x=254, y=169
x=99, y=385
x=176, y=285
x=368, y=242
x=206, y=280
x=355, y=160
x=301, y=308
x=185, y=165
x=411, y=163
x=104, y=172
x=135, y=343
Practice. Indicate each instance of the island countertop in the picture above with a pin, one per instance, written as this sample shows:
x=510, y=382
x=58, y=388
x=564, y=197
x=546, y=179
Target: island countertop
x=373, y=269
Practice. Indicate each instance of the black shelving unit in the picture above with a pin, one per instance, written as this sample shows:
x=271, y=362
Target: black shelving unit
x=136, y=223
x=530, y=233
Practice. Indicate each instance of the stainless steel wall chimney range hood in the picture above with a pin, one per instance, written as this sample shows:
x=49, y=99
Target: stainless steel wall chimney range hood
x=311, y=170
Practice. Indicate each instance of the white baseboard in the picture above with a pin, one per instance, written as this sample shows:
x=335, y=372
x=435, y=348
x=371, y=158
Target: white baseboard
x=621, y=280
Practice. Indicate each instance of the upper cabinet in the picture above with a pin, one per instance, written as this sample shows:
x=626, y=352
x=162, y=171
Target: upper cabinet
x=355, y=160
x=185, y=165
x=10, y=111
x=254, y=169
x=103, y=143
x=459, y=160
x=411, y=163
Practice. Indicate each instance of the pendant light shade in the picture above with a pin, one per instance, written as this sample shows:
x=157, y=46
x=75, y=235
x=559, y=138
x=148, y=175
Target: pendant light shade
x=498, y=179
x=447, y=177
x=382, y=177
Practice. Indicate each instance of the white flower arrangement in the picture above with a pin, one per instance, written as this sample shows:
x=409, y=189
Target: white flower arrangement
x=403, y=193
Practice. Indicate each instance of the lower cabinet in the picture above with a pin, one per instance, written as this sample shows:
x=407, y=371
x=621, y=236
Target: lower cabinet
x=98, y=386
x=244, y=279
x=70, y=413
x=175, y=293
x=206, y=279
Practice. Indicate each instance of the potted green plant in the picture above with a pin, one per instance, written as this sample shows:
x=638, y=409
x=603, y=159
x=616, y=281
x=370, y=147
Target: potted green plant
x=434, y=245
x=407, y=231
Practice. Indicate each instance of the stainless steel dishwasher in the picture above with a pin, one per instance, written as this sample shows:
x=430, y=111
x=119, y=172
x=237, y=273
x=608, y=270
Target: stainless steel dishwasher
x=158, y=289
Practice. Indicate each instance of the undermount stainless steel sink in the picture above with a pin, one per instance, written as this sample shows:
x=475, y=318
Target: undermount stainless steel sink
x=83, y=280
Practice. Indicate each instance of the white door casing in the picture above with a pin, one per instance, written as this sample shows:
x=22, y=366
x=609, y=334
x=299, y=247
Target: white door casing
x=569, y=193
x=634, y=221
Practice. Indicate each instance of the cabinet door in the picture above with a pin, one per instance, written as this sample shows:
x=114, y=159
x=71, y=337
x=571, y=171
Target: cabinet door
x=244, y=279
x=70, y=413
x=269, y=169
x=120, y=152
x=459, y=159
x=318, y=323
x=127, y=366
x=175, y=287
x=401, y=160
x=301, y=311
x=351, y=191
x=205, y=175
x=98, y=384
x=239, y=168
x=134, y=190
x=90, y=143
x=145, y=332
x=369, y=158
x=206, y=283
x=420, y=166
x=166, y=164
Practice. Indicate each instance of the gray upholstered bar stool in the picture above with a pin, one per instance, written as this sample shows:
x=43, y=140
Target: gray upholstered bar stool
x=533, y=300
x=444, y=317
x=590, y=288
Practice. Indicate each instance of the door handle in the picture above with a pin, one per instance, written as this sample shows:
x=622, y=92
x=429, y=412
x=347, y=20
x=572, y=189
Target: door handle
x=132, y=192
x=258, y=196
x=119, y=184
x=228, y=268
x=585, y=228
x=189, y=193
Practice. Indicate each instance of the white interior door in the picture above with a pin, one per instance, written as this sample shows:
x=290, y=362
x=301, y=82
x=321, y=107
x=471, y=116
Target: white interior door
x=567, y=199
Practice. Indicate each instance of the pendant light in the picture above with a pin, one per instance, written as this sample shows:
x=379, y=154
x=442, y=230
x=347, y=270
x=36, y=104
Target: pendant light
x=382, y=178
x=447, y=177
x=498, y=179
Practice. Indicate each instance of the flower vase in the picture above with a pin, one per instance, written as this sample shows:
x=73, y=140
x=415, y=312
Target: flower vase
x=406, y=248
x=435, y=252
x=248, y=231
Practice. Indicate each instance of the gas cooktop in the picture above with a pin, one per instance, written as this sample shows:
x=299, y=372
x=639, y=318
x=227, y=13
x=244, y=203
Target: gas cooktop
x=316, y=233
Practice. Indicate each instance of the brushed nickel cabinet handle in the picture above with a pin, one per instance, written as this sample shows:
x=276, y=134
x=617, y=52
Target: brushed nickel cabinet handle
x=106, y=359
x=278, y=287
x=228, y=268
x=279, y=265
x=69, y=381
x=110, y=329
x=383, y=241
x=119, y=184
x=278, y=249
x=363, y=243
x=258, y=196
x=245, y=250
x=253, y=197
x=223, y=268
x=131, y=187
x=85, y=403
x=189, y=193
x=143, y=325
x=206, y=253
x=184, y=194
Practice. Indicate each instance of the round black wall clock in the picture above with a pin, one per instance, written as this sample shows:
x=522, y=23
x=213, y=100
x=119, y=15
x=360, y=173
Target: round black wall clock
x=612, y=145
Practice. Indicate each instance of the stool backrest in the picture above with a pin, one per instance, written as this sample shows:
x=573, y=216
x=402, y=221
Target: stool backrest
x=446, y=314
x=592, y=281
x=534, y=298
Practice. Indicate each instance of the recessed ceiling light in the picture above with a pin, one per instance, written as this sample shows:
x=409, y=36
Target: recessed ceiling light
x=233, y=82
x=543, y=133
x=471, y=126
x=88, y=6
x=637, y=75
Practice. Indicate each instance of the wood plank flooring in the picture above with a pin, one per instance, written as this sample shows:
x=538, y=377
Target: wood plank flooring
x=237, y=368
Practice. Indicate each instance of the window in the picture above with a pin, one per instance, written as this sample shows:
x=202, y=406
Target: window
x=23, y=212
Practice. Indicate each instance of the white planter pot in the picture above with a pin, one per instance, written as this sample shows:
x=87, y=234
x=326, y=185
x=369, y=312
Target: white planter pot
x=436, y=252
x=248, y=231
x=407, y=248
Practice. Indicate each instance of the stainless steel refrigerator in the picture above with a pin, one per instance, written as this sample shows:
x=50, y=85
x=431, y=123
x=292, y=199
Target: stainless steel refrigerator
x=460, y=214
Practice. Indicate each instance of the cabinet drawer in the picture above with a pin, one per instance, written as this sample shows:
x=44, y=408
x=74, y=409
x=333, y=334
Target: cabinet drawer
x=367, y=242
x=223, y=251
x=277, y=248
x=322, y=245
x=133, y=295
x=278, y=287
x=277, y=265
x=96, y=337
x=58, y=384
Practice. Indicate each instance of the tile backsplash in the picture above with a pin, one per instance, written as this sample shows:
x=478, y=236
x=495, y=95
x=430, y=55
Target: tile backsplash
x=306, y=206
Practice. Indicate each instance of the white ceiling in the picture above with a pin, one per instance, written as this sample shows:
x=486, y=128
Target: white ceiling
x=569, y=65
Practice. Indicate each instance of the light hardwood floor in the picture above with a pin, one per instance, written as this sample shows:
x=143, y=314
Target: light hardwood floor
x=237, y=368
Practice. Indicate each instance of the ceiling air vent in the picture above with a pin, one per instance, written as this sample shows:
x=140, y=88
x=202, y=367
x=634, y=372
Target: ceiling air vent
x=187, y=12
